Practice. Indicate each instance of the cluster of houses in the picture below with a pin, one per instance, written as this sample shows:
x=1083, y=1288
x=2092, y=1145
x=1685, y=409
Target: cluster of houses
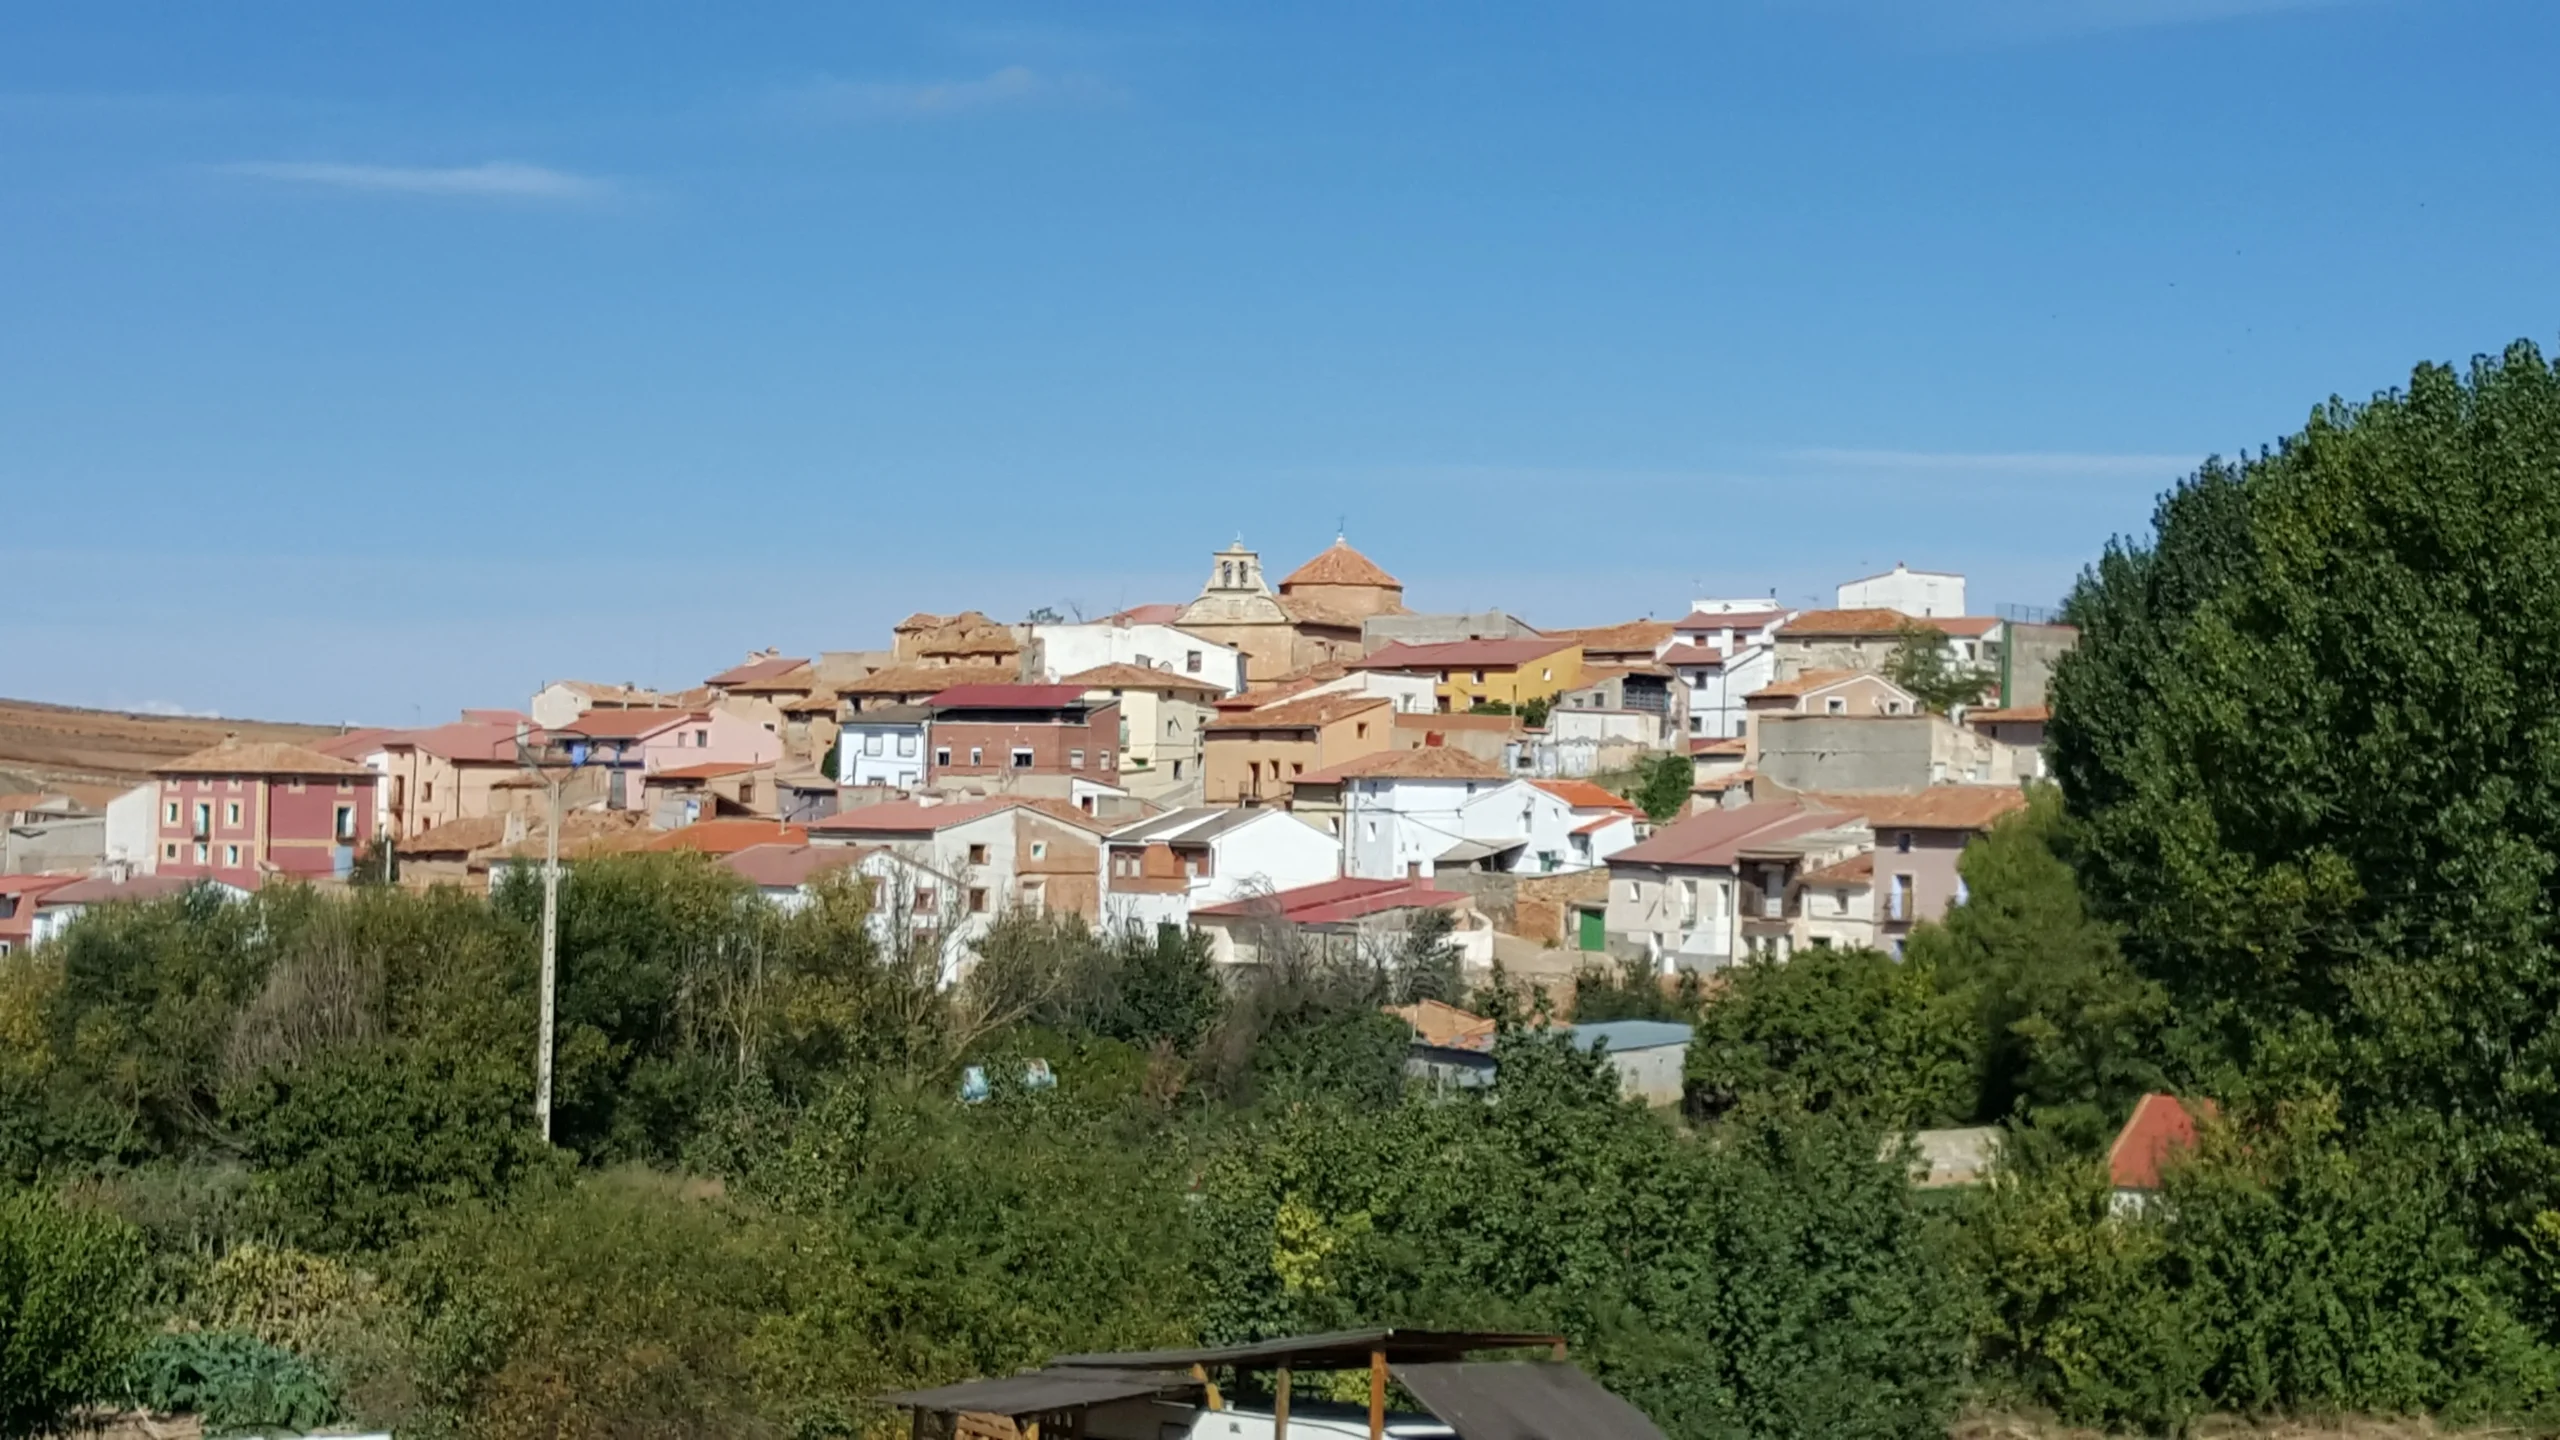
x=1312, y=759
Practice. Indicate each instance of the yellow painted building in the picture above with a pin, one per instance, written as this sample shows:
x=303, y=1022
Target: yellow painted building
x=1468, y=673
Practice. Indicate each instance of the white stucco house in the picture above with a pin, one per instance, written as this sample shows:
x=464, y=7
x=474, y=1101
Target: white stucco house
x=1158, y=869
x=1416, y=812
x=884, y=746
x=1922, y=593
x=1723, y=652
x=1071, y=649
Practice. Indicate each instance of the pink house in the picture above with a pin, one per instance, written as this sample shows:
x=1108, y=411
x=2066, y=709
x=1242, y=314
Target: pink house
x=245, y=810
x=630, y=745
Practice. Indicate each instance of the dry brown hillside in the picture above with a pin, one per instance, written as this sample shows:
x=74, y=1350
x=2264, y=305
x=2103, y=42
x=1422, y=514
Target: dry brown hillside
x=44, y=746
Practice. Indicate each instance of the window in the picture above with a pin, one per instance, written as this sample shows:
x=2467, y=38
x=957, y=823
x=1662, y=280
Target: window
x=343, y=823
x=1479, y=677
x=1835, y=706
x=1075, y=758
x=977, y=900
x=977, y=854
x=873, y=743
x=346, y=787
x=1547, y=673
x=1697, y=724
x=426, y=789
x=924, y=899
x=169, y=851
x=1039, y=849
x=977, y=755
x=1107, y=760
x=1172, y=728
x=1191, y=661
x=1368, y=829
x=1893, y=707
x=1021, y=757
x=1902, y=842
x=231, y=815
x=701, y=739
x=942, y=755
x=1034, y=893
x=204, y=817
x=204, y=852
x=1360, y=730
x=169, y=814
x=1297, y=769
x=231, y=856
x=906, y=747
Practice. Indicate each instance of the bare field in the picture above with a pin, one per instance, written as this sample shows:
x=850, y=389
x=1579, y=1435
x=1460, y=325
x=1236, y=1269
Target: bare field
x=49, y=745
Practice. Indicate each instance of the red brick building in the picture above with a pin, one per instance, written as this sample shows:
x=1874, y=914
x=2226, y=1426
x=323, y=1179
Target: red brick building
x=245, y=810
x=995, y=731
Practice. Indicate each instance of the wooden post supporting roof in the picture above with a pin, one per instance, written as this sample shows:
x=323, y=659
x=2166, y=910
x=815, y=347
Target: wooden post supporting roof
x=1280, y=1406
x=1377, y=1395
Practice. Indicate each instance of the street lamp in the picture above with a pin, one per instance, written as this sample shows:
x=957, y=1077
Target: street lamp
x=554, y=764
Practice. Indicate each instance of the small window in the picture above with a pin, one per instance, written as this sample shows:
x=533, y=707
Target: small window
x=169, y=851
x=1039, y=849
x=231, y=857
x=1191, y=661
x=1368, y=829
x=1902, y=842
x=231, y=814
x=1479, y=677
x=1021, y=757
x=701, y=739
x=977, y=755
x=942, y=755
x=344, y=823
x=1360, y=730
x=977, y=900
x=977, y=854
x=924, y=899
x=1108, y=761
x=1835, y=706
x=906, y=746
x=204, y=852
x=873, y=743
x=169, y=815
x=1075, y=758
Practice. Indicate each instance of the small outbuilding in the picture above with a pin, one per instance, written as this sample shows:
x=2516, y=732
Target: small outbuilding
x=1650, y=1056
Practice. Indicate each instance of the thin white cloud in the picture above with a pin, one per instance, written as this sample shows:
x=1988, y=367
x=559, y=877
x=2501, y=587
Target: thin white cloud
x=1013, y=86
x=497, y=179
x=2027, y=462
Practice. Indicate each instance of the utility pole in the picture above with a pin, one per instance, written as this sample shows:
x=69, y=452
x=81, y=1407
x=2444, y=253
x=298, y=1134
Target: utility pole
x=550, y=961
x=552, y=779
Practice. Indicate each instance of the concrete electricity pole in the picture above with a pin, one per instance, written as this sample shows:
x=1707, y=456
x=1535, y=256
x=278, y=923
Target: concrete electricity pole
x=552, y=778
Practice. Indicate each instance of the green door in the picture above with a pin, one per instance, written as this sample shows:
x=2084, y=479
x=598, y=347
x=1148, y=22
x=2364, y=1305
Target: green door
x=1594, y=931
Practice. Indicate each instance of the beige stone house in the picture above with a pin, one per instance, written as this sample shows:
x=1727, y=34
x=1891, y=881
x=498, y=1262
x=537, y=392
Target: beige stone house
x=1162, y=716
x=1250, y=757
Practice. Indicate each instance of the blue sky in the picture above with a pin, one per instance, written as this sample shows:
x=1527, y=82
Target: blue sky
x=363, y=362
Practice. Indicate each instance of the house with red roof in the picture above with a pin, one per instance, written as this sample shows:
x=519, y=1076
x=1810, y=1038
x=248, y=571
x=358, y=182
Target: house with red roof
x=1341, y=919
x=1729, y=885
x=1468, y=673
x=19, y=897
x=1721, y=651
x=244, y=810
x=2161, y=1129
x=1920, y=838
x=1002, y=853
x=627, y=746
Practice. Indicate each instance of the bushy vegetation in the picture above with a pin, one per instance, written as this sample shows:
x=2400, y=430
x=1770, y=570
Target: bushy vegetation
x=273, y=1161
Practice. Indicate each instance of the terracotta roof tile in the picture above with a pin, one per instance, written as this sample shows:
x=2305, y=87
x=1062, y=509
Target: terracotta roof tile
x=1157, y=614
x=726, y=837
x=926, y=679
x=2017, y=715
x=260, y=757
x=1718, y=837
x=1339, y=564
x=1726, y=745
x=1693, y=655
x=1858, y=869
x=1138, y=677
x=1336, y=900
x=2161, y=1126
x=1940, y=807
x=762, y=672
x=1007, y=697
x=1303, y=714
x=1583, y=795
x=1633, y=635
x=1802, y=685
x=1462, y=655
x=1431, y=762
x=627, y=724
x=782, y=866
x=1871, y=621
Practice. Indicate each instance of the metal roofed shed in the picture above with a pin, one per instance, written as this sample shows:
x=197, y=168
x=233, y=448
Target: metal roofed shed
x=1513, y=1401
x=1650, y=1056
x=1372, y=1350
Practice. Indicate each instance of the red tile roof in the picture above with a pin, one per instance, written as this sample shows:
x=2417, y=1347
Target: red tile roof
x=1718, y=837
x=788, y=866
x=27, y=892
x=1462, y=655
x=1008, y=697
x=260, y=757
x=1603, y=823
x=909, y=817
x=1147, y=615
x=1804, y=684
x=726, y=837
x=354, y=743
x=2161, y=1126
x=759, y=672
x=627, y=724
x=1633, y=635
x=1858, y=869
x=1727, y=745
x=1339, y=564
x=1583, y=795
x=708, y=770
x=925, y=679
x=1870, y=621
x=1138, y=677
x=2018, y=715
x=93, y=891
x=1940, y=807
x=1306, y=714
x=1336, y=900
x=466, y=742
x=1693, y=655
x=1430, y=762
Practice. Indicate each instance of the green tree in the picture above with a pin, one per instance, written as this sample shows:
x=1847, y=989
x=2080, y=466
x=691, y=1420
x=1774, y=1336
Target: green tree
x=1920, y=664
x=69, y=1282
x=1853, y=1031
x=2308, y=740
x=1663, y=784
x=2069, y=1033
